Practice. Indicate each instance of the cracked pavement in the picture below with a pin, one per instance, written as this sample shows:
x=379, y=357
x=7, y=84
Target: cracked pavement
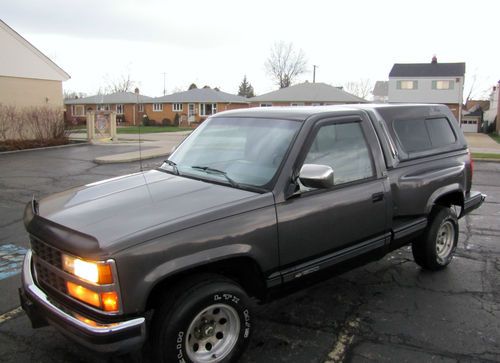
x=386, y=311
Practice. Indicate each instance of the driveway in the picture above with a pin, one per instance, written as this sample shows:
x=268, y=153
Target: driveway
x=388, y=311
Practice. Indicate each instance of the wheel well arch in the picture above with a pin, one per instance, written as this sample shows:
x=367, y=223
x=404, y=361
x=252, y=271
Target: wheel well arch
x=244, y=270
x=451, y=198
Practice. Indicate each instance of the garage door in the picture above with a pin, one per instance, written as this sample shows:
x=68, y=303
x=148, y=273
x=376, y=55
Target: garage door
x=469, y=125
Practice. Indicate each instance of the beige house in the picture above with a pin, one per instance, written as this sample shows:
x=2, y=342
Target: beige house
x=27, y=76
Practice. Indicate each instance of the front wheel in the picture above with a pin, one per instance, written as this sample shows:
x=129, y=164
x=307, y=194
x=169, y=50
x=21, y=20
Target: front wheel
x=207, y=323
x=434, y=250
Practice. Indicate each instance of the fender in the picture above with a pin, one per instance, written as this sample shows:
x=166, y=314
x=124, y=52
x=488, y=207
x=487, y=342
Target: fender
x=440, y=192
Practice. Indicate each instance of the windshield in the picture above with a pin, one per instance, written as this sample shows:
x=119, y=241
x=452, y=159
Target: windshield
x=235, y=151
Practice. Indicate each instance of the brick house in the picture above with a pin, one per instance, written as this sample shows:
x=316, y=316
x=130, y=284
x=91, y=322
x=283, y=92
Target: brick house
x=306, y=94
x=428, y=83
x=192, y=106
x=129, y=107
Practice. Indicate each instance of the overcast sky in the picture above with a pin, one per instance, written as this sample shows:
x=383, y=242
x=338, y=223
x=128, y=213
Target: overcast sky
x=217, y=42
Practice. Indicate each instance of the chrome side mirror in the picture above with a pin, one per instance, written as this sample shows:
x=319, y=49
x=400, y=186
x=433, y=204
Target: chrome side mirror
x=316, y=176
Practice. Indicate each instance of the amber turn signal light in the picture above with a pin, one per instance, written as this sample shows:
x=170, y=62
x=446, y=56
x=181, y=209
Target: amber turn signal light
x=83, y=294
x=109, y=301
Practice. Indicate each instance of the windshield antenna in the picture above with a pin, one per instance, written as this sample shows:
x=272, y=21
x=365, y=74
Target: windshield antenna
x=140, y=147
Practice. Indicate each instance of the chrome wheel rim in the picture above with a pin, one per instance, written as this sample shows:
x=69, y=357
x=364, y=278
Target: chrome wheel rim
x=445, y=241
x=212, y=334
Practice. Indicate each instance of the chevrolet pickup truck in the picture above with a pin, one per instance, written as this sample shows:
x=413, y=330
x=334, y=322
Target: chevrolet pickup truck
x=254, y=200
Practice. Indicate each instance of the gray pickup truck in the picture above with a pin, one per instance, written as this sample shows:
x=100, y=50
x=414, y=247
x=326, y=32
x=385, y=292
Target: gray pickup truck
x=252, y=201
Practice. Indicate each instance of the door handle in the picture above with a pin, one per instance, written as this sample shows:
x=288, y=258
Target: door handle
x=377, y=197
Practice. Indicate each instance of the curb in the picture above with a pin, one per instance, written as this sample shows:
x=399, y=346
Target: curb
x=487, y=160
x=45, y=148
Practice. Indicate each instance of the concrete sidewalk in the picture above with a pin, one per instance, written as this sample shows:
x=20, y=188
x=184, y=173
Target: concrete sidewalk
x=148, y=146
x=482, y=143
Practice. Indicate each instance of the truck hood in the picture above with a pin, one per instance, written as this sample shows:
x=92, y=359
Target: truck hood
x=138, y=207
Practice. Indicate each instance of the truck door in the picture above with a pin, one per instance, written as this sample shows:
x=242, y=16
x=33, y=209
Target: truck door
x=319, y=227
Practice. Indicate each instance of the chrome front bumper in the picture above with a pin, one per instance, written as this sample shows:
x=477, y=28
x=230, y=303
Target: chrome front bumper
x=119, y=337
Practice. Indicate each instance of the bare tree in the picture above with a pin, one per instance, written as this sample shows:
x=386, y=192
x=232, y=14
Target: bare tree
x=72, y=94
x=361, y=88
x=120, y=84
x=285, y=63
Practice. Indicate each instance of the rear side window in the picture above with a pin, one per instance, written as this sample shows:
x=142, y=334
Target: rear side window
x=440, y=132
x=421, y=135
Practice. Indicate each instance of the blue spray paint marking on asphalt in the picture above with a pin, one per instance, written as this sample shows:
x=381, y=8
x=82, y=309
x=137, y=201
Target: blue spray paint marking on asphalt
x=11, y=260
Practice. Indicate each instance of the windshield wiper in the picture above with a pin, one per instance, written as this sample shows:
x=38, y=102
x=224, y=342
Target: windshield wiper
x=216, y=171
x=173, y=165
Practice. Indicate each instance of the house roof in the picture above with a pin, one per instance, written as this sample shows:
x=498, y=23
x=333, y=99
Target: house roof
x=309, y=92
x=381, y=88
x=203, y=95
x=19, y=58
x=427, y=70
x=113, y=98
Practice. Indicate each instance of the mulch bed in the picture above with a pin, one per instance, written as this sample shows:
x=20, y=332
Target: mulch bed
x=11, y=145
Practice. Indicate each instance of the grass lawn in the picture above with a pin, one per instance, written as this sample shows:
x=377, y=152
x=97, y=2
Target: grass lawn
x=485, y=156
x=495, y=137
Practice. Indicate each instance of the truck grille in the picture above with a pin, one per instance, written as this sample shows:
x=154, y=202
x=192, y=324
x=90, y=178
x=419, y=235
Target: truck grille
x=46, y=253
x=45, y=276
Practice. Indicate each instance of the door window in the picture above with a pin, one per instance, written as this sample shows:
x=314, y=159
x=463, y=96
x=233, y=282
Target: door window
x=342, y=147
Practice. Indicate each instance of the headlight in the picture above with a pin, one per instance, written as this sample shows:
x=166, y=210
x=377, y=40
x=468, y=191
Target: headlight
x=96, y=272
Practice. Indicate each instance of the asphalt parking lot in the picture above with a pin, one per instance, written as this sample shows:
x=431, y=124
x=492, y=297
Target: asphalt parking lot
x=387, y=311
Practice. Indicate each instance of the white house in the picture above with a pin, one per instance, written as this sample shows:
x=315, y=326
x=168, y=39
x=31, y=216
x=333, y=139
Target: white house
x=27, y=76
x=491, y=115
x=428, y=83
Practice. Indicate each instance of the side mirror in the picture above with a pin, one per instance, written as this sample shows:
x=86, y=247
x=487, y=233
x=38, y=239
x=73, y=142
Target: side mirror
x=316, y=176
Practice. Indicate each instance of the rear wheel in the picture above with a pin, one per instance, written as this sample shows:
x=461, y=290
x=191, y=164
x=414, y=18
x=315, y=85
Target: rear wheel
x=205, y=320
x=434, y=250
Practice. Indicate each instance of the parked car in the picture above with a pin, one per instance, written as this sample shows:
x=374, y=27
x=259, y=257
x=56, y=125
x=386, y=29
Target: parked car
x=252, y=201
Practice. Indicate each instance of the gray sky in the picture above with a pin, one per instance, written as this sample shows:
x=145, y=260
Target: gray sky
x=216, y=42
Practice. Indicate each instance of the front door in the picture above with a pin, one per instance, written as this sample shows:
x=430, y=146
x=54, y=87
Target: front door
x=191, y=113
x=321, y=224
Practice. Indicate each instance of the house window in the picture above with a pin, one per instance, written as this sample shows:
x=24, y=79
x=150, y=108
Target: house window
x=140, y=107
x=297, y=104
x=78, y=110
x=102, y=108
x=407, y=85
x=176, y=107
x=443, y=85
x=157, y=107
x=119, y=109
x=266, y=105
x=207, y=109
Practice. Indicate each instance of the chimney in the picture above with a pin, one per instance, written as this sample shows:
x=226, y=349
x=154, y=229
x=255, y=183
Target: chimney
x=434, y=59
x=136, y=90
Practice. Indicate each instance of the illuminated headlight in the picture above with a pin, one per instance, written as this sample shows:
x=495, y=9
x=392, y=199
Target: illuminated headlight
x=96, y=272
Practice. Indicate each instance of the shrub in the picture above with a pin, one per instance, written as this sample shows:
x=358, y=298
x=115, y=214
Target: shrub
x=145, y=120
x=166, y=122
x=31, y=123
x=176, y=119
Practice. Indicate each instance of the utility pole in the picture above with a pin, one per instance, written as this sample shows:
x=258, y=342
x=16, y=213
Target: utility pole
x=164, y=90
x=314, y=73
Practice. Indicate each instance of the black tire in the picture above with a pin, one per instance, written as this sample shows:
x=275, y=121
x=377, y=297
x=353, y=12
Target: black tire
x=434, y=250
x=202, y=317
